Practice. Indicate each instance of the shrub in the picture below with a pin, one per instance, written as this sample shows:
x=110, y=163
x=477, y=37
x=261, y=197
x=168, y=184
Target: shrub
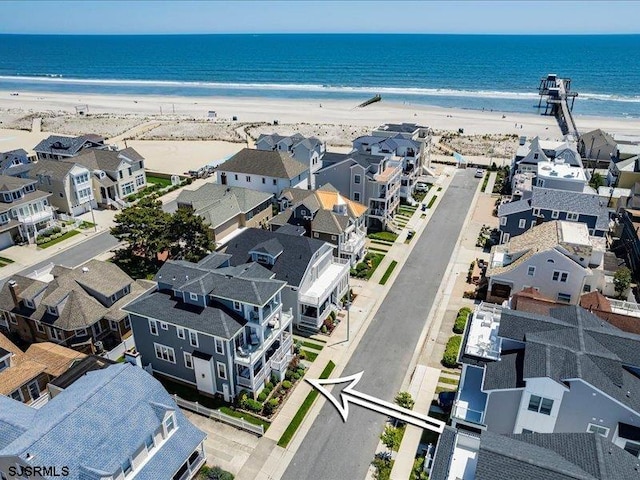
x=216, y=473
x=392, y=437
x=450, y=357
x=253, y=405
x=297, y=376
x=289, y=375
x=405, y=400
x=383, y=465
x=323, y=329
x=286, y=384
x=302, y=355
x=268, y=385
x=270, y=406
x=262, y=397
x=460, y=323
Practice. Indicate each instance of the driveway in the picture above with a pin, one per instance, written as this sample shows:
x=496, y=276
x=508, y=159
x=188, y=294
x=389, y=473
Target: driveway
x=333, y=450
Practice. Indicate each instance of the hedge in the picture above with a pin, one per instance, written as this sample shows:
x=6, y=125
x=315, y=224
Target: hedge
x=433, y=199
x=450, y=357
x=461, y=320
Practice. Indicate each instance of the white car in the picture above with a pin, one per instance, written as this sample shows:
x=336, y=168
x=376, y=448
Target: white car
x=479, y=173
x=422, y=187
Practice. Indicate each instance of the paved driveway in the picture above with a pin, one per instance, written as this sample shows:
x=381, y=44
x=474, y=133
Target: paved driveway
x=333, y=450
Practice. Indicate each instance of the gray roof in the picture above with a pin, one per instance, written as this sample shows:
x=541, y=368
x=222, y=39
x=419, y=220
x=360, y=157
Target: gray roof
x=52, y=168
x=569, y=343
x=443, y=454
x=103, y=159
x=266, y=163
x=291, y=264
x=97, y=423
x=553, y=456
x=217, y=204
x=289, y=229
x=73, y=291
x=59, y=145
x=216, y=319
x=13, y=183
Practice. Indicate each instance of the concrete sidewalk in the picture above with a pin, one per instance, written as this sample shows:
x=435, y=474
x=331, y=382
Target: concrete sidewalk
x=269, y=461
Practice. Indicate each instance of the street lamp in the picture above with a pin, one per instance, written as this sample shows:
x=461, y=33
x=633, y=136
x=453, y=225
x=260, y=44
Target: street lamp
x=348, y=307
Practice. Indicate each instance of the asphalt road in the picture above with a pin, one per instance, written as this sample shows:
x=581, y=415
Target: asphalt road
x=77, y=254
x=333, y=450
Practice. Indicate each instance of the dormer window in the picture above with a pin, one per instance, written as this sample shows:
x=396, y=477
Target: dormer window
x=193, y=296
x=28, y=303
x=53, y=310
x=126, y=467
x=169, y=424
x=237, y=306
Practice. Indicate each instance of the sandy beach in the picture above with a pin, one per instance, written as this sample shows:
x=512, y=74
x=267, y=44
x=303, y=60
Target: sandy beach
x=176, y=135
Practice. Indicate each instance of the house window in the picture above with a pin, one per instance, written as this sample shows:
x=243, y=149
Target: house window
x=526, y=430
x=193, y=338
x=592, y=232
x=356, y=179
x=555, y=214
x=164, y=353
x=28, y=303
x=536, y=212
x=52, y=310
x=180, y=331
x=140, y=180
x=120, y=174
x=126, y=467
x=633, y=448
x=56, y=334
x=17, y=395
x=149, y=443
x=522, y=223
x=3, y=321
x=153, y=327
x=219, y=346
x=315, y=234
x=170, y=424
x=559, y=276
x=535, y=156
x=127, y=323
x=80, y=332
x=540, y=404
x=356, y=196
x=598, y=429
x=188, y=360
x=193, y=296
x=237, y=306
x=113, y=325
x=572, y=216
x=129, y=170
x=40, y=327
x=34, y=390
x=12, y=318
x=275, y=182
x=236, y=176
x=503, y=221
x=222, y=371
x=531, y=270
x=264, y=180
x=564, y=297
x=248, y=178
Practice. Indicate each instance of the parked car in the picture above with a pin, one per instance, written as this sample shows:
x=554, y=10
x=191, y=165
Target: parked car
x=479, y=173
x=445, y=401
x=422, y=187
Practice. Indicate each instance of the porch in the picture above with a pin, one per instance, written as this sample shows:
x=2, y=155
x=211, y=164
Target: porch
x=274, y=358
x=190, y=468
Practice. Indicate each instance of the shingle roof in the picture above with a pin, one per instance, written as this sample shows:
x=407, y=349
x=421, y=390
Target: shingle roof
x=565, y=201
x=267, y=163
x=99, y=421
x=52, y=168
x=572, y=343
x=57, y=144
x=215, y=320
x=443, y=454
x=553, y=456
x=291, y=264
x=13, y=183
x=99, y=159
x=71, y=290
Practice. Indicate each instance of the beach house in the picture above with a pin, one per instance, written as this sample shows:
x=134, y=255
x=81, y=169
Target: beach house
x=268, y=171
x=15, y=163
x=597, y=146
x=226, y=209
x=326, y=215
x=530, y=153
x=114, y=423
x=316, y=281
x=76, y=307
x=58, y=147
x=565, y=372
x=24, y=210
x=546, y=204
x=558, y=259
x=218, y=327
x=372, y=180
x=307, y=150
x=68, y=183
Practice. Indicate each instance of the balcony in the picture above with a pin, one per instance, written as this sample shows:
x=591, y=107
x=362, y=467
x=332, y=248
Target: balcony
x=276, y=361
x=266, y=313
x=37, y=217
x=354, y=244
x=471, y=401
x=326, y=283
x=482, y=336
x=191, y=467
x=249, y=353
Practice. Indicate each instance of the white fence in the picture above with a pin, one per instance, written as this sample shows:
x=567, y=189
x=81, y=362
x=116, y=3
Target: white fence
x=119, y=350
x=217, y=415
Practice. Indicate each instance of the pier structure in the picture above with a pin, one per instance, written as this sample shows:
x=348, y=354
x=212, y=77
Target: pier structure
x=559, y=102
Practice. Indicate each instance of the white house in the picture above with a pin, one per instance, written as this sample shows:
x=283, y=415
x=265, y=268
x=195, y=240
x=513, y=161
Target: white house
x=268, y=171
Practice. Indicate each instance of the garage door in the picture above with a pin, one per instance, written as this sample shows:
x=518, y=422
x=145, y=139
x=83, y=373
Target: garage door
x=5, y=240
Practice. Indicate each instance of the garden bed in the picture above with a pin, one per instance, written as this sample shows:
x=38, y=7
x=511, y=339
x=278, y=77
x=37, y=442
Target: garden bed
x=57, y=239
x=367, y=267
x=388, y=272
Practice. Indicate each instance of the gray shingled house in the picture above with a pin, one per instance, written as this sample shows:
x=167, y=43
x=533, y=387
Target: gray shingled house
x=218, y=327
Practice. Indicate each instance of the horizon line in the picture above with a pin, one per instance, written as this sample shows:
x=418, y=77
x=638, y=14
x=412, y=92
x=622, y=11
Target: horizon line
x=486, y=34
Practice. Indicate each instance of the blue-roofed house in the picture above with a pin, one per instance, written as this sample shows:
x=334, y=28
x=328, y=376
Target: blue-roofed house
x=15, y=163
x=547, y=204
x=112, y=424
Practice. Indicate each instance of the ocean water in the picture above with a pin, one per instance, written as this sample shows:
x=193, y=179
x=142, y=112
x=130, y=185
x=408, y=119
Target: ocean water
x=462, y=71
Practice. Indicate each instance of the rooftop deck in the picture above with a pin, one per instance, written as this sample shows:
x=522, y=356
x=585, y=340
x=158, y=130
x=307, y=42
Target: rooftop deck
x=471, y=401
x=482, y=337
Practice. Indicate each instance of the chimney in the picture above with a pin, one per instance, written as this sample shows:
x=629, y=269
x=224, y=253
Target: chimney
x=133, y=357
x=14, y=295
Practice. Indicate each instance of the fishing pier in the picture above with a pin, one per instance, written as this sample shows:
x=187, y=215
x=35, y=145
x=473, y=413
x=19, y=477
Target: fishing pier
x=558, y=95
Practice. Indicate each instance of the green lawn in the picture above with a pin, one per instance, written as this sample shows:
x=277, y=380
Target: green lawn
x=4, y=261
x=245, y=416
x=442, y=389
x=452, y=381
x=164, y=182
x=381, y=242
x=362, y=270
x=304, y=409
x=433, y=199
x=314, y=346
x=86, y=224
x=375, y=249
x=388, y=236
x=388, y=273
x=59, y=239
x=485, y=181
x=311, y=356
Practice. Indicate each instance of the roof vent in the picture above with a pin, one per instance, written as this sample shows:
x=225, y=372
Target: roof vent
x=85, y=269
x=628, y=394
x=28, y=456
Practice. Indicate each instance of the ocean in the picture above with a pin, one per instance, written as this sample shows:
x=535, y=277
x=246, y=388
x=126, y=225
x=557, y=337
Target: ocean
x=499, y=72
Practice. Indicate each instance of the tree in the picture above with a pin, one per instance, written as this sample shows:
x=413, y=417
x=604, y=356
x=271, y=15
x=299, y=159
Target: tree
x=622, y=280
x=189, y=236
x=392, y=437
x=596, y=181
x=144, y=227
x=404, y=400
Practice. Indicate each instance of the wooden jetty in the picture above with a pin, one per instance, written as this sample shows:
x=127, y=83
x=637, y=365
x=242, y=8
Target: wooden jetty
x=558, y=94
x=373, y=99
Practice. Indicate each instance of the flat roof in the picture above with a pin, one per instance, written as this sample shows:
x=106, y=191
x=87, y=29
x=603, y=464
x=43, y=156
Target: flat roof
x=574, y=233
x=561, y=171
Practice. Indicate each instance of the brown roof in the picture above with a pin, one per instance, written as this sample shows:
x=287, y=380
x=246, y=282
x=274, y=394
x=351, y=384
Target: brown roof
x=531, y=300
x=600, y=306
x=56, y=358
